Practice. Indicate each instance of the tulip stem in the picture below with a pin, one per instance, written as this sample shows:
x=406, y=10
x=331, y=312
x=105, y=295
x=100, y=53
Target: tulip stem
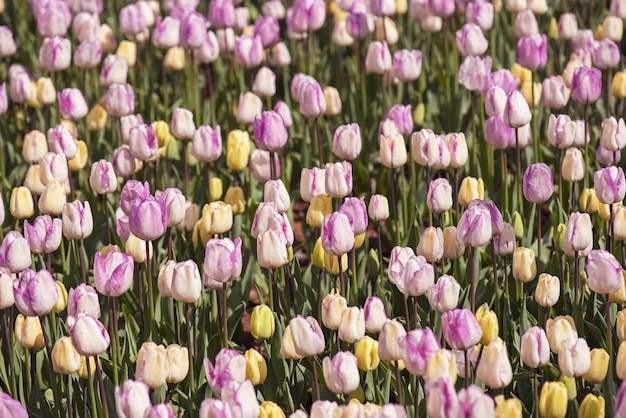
x=103, y=394
x=474, y=138
x=186, y=166
x=396, y=216
x=316, y=382
x=576, y=279
x=381, y=266
x=150, y=292
x=609, y=326
x=320, y=151
x=468, y=378
x=191, y=349
x=504, y=185
x=342, y=280
x=208, y=181
x=496, y=286
x=539, y=237
x=106, y=217
x=355, y=290
x=224, y=319
x=472, y=278
x=68, y=394
x=46, y=339
x=92, y=393
x=518, y=156
x=398, y=383
x=586, y=143
x=382, y=90
x=7, y=338
x=610, y=231
x=114, y=347
x=416, y=395
x=81, y=262
x=406, y=311
x=536, y=392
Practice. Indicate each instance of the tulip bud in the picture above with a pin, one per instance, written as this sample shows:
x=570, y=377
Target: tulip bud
x=574, y=357
x=547, y=291
x=417, y=347
x=442, y=364
x=591, y=406
x=524, y=264
x=494, y=369
x=262, y=322
x=65, y=358
x=308, y=338
x=553, y=400
x=471, y=189
x=341, y=372
x=256, y=367
x=28, y=332
x=333, y=306
x=599, y=366
x=378, y=208
x=21, y=204
x=460, y=329
x=132, y=399
x=560, y=329
x=366, y=352
x=152, y=366
x=488, y=322
x=538, y=183
x=390, y=333
x=352, y=325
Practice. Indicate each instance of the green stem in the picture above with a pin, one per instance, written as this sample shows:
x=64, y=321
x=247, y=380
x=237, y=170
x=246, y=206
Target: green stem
x=150, y=292
x=224, y=316
x=191, y=349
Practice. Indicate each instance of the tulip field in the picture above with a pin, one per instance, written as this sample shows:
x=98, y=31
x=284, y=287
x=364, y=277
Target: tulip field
x=312, y=208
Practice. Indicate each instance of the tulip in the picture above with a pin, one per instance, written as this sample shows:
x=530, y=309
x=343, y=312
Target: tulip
x=547, y=291
x=114, y=71
x=441, y=398
x=28, y=333
x=560, y=329
x=471, y=189
x=416, y=347
x=471, y=41
x=494, y=369
x=83, y=299
x=517, y=113
x=378, y=58
x=163, y=410
x=430, y=150
x=574, y=357
x=586, y=85
x=553, y=400
x=407, y=64
x=378, y=207
x=11, y=407
x=333, y=306
x=55, y=54
x=392, y=150
x=270, y=132
x=132, y=399
x=65, y=359
x=619, y=362
x=214, y=408
x=308, y=339
x=341, y=372
x=312, y=99
x=390, y=333
x=186, y=285
x=460, y=329
x=609, y=184
x=44, y=235
x=143, y=142
x=113, y=273
x=592, y=406
x=88, y=334
x=578, y=235
x=599, y=366
x=475, y=227
x=272, y=249
x=476, y=402
x=256, y=367
x=241, y=398
x=538, y=184
x=488, y=322
x=606, y=54
x=352, y=325
x=375, y=314
x=431, y=244
x=525, y=24
x=442, y=364
x=61, y=141
x=524, y=264
x=452, y=248
x=178, y=363
x=262, y=322
x=604, y=272
x=35, y=293
x=148, y=218
x=347, y=142
x=474, y=73
x=223, y=259
x=441, y=8
x=120, y=100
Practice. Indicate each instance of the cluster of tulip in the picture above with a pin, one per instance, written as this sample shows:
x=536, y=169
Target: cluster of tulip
x=320, y=263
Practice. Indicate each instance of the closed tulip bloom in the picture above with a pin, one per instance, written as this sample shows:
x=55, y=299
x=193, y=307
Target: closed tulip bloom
x=287, y=347
x=162, y=410
x=132, y=399
x=392, y=150
x=507, y=408
x=61, y=141
x=21, y=204
x=214, y=408
x=417, y=346
x=152, y=366
x=44, y=235
x=609, y=184
x=83, y=299
x=613, y=137
x=337, y=235
x=114, y=71
x=249, y=51
x=52, y=198
x=559, y=329
x=578, y=235
x=481, y=13
x=308, y=338
x=312, y=99
x=271, y=249
x=460, y=329
x=573, y=166
x=223, y=259
x=517, y=113
x=574, y=357
x=553, y=400
x=7, y=298
x=34, y=147
x=441, y=8
x=35, y=293
x=21, y=87
x=439, y=197
x=538, y=183
x=498, y=134
x=494, y=369
x=548, y=290
x=620, y=405
x=604, y=272
x=175, y=205
x=378, y=207
x=206, y=145
x=65, y=359
x=237, y=150
x=262, y=218
x=567, y=26
x=102, y=178
x=554, y=93
x=241, y=398
x=250, y=107
x=525, y=24
x=535, y=351
x=442, y=364
x=612, y=28
x=471, y=41
x=352, y=325
x=375, y=314
x=341, y=372
x=444, y=295
x=474, y=73
x=586, y=85
x=606, y=54
x=55, y=54
x=186, y=285
x=143, y=142
x=431, y=244
x=524, y=264
x=390, y=333
x=347, y=141
x=133, y=190
x=532, y=51
x=441, y=398
x=471, y=189
x=72, y=104
x=183, y=126
x=458, y=149
x=178, y=363
x=407, y=64
x=28, y=333
x=53, y=167
x=592, y=406
x=475, y=227
x=488, y=322
x=120, y=100
x=166, y=33
x=312, y=183
x=378, y=58
x=148, y=218
x=430, y=150
x=452, y=247
x=113, y=273
x=561, y=131
x=356, y=211
x=88, y=334
x=275, y=191
x=338, y=179
x=270, y=132
x=262, y=322
x=495, y=101
x=8, y=47
x=333, y=101
x=366, y=352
